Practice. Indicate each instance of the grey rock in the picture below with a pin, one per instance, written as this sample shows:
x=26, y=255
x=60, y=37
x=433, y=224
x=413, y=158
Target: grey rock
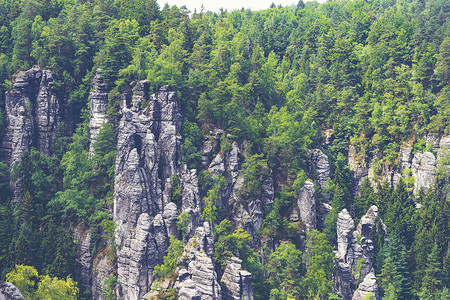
x=359, y=168
x=368, y=285
x=329, y=136
x=9, y=291
x=98, y=100
x=306, y=202
x=140, y=254
x=432, y=139
x=236, y=283
x=188, y=291
x=319, y=162
x=190, y=198
x=202, y=278
x=82, y=238
x=210, y=146
x=423, y=169
x=354, y=247
x=170, y=218
x=148, y=155
x=102, y=269
x=345, y=226
x=33, y=115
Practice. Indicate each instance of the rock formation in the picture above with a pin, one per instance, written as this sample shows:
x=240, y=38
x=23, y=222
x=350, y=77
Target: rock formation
x=236, y=283
x=9, y=291
x=320, y=164
x=98, y=99
x=368, y=285
x=306, y=202
x=197, y=278
x=354, y=257
x=33, y=114
x=421, y=166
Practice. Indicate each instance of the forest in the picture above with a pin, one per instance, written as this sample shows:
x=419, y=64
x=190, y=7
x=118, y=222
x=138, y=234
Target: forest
x=373, y=73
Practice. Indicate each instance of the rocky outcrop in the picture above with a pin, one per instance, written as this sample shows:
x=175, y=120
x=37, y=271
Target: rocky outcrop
x=247, y=213
x=368, y=285
x=33, y=115
x=139, y=255
x=423, y=169
x=82, y=238
x=102, y=268
x=9, y=291
x=148, y=155
x=421, y=166
x=236, y=283
x=98, y=99
x=197, y=278
x=320, y=164
x=306, y=202
x=354, y=256
x=210, y=146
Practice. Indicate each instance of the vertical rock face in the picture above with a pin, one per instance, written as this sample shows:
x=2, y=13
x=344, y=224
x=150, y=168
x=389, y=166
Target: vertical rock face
x=98, y=99
x=236, y=283
x=148, y=155
x=368, y=285
x=307, y=204
x=198, y=279
x=33, y=113
x=423, y=170
x=354, y=257
x=82, y=238
x=421, y=165
x=319, y=162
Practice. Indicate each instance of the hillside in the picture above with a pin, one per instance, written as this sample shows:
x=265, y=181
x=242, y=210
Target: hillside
x=156, y=153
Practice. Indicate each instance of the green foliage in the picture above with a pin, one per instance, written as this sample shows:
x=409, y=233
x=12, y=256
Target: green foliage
x=33, y=286
x=109, y=286
x=285, y=269
x=320, y=265
x=176, y=190
x=167, y=269
x=183, y=223
x=229, y=244
x=255, y=171
x=212, y=200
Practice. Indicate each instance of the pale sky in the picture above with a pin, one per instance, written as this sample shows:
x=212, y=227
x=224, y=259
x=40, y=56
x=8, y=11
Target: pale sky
x=228, y=5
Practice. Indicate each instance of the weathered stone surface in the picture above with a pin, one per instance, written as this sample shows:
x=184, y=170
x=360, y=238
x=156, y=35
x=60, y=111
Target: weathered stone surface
x=210, y=146
x=9, y=291
x=190, y=198
x=354, y=247
x=102, y=269
x=148, y=154
x=359, y=168
x=139, y=255
x=368, y=285
x=306, y=202
x=200, y=278
x=98, y=99
x=33, y=113
x=319, y=162
x=236, y=283
x=423, y=169
x=82, y=238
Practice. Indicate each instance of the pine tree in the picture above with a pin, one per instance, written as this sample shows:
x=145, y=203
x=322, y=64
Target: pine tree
x=432, y=281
